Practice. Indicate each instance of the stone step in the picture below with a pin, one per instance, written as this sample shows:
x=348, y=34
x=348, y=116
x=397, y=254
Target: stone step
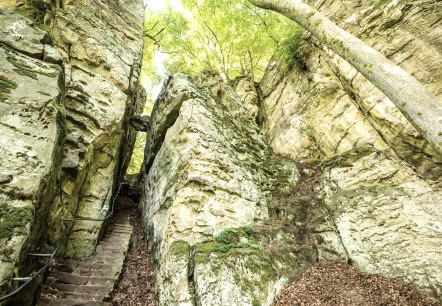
x=121, y=227
x=88, y=289
x=111, y=258
x=71, y=302
x=75, y=279
x=85, y=265
x=122, y=231
x=109, y=248
x=107, y=272
x=116, y=237
x=91, y=296
x=121, y=222
x=119, y=240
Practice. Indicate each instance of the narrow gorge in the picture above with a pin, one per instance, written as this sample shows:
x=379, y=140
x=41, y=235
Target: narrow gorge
x=302, y=184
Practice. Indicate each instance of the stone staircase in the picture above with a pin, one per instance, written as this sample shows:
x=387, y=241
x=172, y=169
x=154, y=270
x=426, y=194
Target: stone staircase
x=90, y=281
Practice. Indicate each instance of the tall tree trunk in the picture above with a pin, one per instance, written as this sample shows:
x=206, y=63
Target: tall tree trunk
x=420, y=107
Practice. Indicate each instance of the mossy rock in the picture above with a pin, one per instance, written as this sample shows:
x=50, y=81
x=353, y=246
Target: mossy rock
x=14, y=220
x=6, y=87
x=180, y=249
x=227, y=243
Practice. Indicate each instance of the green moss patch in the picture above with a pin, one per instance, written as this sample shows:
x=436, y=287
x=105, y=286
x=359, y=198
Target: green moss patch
x=180, y=249
x=227, y=243
x=22, y=68
x=6, y=87
x=14, y=220
x=289, y=54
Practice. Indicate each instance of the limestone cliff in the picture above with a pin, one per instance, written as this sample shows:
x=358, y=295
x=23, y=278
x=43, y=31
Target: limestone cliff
x=101, y=44
x=210, y=180
x=380, y=180
x=32, y=120
x=230, y=219
x=68, y=86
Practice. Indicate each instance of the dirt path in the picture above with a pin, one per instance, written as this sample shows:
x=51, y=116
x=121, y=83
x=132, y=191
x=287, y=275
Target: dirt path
x=136, y=285
x=336, y=284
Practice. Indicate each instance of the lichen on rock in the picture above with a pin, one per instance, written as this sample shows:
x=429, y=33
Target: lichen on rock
x=379, y=185
x=210, y=176
x=30, y=143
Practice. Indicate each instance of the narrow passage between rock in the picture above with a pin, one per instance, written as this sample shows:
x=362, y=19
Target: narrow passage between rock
x=136, y=285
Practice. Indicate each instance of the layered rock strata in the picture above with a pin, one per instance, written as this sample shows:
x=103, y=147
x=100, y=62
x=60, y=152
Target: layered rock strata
x=68, y=86
x=32, y=120
x=210, y=178
x=380, y=180
x=101, y=44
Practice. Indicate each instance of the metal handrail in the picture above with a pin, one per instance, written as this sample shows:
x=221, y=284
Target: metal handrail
x=67, y=231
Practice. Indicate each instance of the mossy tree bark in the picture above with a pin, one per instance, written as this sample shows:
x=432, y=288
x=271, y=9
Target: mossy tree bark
x=418, y=105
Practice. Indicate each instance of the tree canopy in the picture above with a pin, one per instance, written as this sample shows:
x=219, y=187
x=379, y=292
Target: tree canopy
x=230, y=36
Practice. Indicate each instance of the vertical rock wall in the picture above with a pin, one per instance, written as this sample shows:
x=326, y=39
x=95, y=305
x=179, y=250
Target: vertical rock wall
x=209, y=183
x=32, y=120
x=101, y=43
x=380, y=180
x=68, y=85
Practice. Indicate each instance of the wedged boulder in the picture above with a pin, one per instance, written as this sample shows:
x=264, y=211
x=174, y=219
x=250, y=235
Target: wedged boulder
x=32, y=121
x=140, y=123
x=209, y=181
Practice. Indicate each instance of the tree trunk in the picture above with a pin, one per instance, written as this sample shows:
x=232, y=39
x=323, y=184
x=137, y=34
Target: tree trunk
x=417, y=104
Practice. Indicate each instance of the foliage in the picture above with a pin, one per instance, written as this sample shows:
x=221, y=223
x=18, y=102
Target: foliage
x=230, y=36
x=138, y=154
x=289, y=52
x=227, y=240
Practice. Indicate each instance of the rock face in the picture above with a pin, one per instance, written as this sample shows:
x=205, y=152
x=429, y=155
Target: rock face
x=67, y=90
x=208, y=187
x=101, y=44
x=229, y=218
x=380, y=181
x=32, y=119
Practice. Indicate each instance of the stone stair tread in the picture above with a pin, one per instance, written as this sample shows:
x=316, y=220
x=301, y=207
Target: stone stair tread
x=122, y=231
x=108, y=248
x=97, y=296
x=111, y=272
x=118, y=242
x=87, y=265
x=75, y=279
x=71, y=302
x=80, y=288
x=124, y=228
